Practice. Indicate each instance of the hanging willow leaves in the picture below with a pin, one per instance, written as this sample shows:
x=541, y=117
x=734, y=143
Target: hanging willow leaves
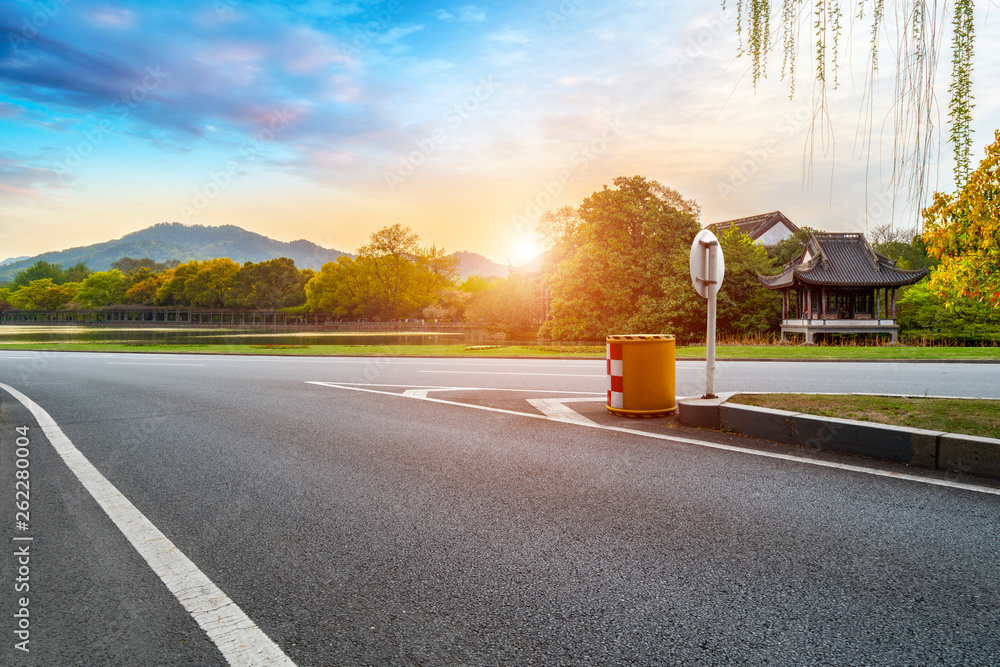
x=960, y=108
x=917, y=30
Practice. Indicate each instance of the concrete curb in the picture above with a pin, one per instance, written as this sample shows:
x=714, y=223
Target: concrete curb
x=927, y=449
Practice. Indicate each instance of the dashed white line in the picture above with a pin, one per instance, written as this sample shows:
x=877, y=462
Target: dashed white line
x=691, y=441
x=241, y=642
x=148, y=363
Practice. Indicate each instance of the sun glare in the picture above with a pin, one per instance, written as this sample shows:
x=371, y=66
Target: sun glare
x=524, y=250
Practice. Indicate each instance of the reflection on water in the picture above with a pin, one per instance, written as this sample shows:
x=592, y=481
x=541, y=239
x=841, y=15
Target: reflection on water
x=217, y=336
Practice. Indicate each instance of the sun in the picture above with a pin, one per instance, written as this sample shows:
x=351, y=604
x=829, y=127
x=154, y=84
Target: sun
x=524, y=250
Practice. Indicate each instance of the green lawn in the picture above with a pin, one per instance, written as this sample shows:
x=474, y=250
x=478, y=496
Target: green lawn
x=591, y=351
x=583, y=351
x=953, y=415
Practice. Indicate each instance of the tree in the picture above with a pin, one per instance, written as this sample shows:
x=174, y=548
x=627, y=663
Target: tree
x=104, y=288
x=918, y=29
x=344, y=288
x=42, y=294
x=143, y=291
x=744, y=306
x=391, y=255
x=128, y=265
x=268, y=285
x=963, y=231
x=77, y=273
x=211, y=282
x=624, y=263
x=790, y=249
x=172, y=290
x=41, y=270
x=506, y=306
x=908, y=253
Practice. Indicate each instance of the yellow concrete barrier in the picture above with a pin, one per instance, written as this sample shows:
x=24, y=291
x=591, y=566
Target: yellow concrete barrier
x=642, y=375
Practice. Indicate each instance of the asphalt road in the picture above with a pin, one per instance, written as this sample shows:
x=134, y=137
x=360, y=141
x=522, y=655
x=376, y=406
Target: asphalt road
x=375, y=518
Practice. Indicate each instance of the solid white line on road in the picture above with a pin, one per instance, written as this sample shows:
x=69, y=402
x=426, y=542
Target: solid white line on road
x=149, y=363
x=701, y=443
x=237, y=637
x=436, y=387
x=568, y=375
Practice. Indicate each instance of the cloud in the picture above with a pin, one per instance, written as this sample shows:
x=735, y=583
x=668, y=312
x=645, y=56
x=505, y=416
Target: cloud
x=112, y=17
x=443, y=15
x=509, y=36
x=471, y=14
x=18, y=179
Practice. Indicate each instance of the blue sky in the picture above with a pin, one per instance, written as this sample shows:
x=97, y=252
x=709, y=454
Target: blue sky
x=465, y=121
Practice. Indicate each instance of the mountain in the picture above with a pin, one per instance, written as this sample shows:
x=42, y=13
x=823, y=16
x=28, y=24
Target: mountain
x=173, y=240
x=474, y=264
x=11, y=260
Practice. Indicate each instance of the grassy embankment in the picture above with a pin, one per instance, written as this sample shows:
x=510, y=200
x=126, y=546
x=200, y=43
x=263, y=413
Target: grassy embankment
x=953, y=415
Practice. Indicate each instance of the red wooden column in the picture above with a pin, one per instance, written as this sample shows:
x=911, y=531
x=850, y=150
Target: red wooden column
x=822, y=302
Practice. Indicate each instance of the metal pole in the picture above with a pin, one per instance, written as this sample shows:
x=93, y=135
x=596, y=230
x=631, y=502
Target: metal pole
x=710, y=348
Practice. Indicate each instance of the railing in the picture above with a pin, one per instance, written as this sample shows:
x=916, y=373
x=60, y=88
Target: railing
x=215, y=317
x=819, y=322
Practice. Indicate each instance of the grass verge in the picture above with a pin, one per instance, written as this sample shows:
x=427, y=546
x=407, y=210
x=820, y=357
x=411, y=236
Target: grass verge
x=583, y=351
x=953, y=415
x=762, y=352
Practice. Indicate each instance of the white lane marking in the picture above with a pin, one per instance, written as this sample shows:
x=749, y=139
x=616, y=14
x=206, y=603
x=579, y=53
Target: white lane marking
x=435, y=387
x=558, y=411
x=237, y=637
x=149, y=363
x=702, y=443
x=568, y=375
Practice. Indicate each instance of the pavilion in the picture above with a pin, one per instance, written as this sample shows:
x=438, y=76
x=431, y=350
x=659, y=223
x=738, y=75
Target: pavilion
x=840, y=285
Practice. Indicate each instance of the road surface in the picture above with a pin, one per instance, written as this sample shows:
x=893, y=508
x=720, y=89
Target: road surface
x=440, y=512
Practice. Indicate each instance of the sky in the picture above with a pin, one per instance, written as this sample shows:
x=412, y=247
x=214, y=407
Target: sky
x=329, y=120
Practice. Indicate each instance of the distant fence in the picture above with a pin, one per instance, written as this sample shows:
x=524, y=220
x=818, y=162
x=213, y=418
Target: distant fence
x=209, y=317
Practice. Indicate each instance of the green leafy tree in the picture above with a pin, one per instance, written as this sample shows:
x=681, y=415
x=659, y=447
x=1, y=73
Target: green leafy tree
x=268, y=285
x=909, y=253
x=208, y=287
x=963, y=232
x=41, y=270
x=789, y=249
x=104, y=288
x=391, y=277
x=77, y=273
x=624, y=264
x=173, y=287
x=744, y=306
x=345, y=288
x=42, y=294
x=129, y=265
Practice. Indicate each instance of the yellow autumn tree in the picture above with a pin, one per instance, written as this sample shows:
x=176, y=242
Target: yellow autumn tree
x=963, y=231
